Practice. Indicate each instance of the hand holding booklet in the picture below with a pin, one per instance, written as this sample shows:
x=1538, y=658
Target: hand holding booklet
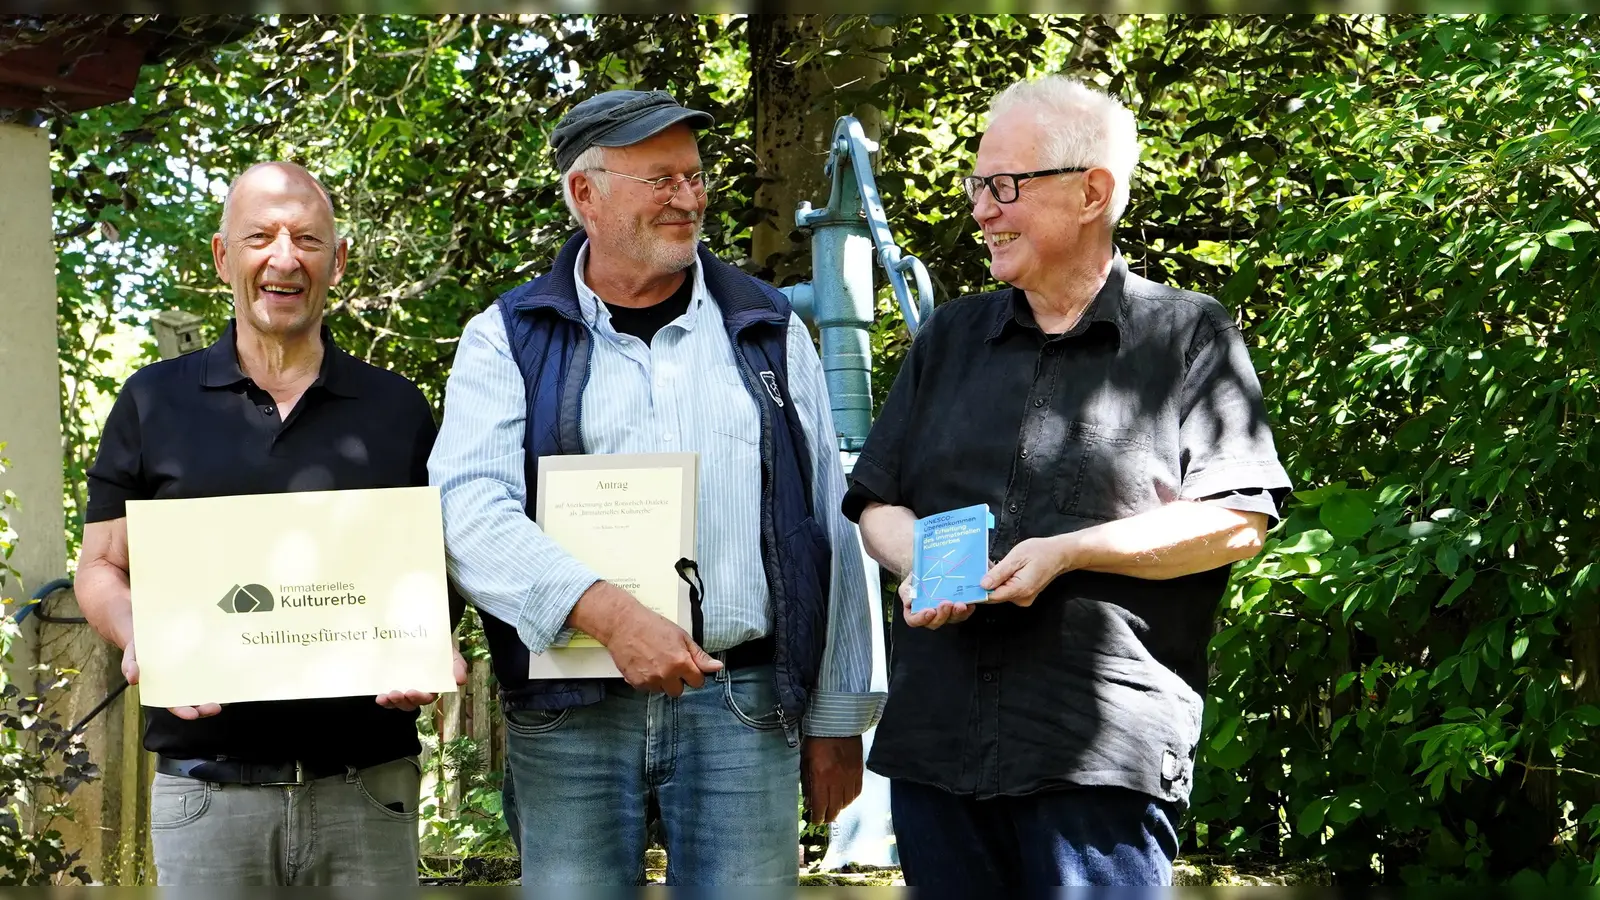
x=950, y=554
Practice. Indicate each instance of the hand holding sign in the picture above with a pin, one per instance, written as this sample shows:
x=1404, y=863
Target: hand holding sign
x=130, y=671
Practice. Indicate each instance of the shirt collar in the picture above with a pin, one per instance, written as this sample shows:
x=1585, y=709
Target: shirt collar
x=220, y=366
x=1106, y=307
x=598, y=317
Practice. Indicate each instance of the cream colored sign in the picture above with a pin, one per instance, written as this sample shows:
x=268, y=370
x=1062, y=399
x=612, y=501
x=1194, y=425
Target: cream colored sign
x=630, y=518
x=289, y=596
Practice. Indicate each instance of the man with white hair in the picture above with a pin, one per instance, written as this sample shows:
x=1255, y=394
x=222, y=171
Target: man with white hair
x=639, y=340
x=1115, y=429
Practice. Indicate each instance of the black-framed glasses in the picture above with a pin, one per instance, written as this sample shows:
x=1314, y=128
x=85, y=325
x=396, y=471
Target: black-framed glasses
x=663, y=189
x=1003, y=186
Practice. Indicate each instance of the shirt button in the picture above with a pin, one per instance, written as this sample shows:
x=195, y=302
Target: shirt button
x=988, y=677
x=667, y=436
x=1013, y=507
x=1038, y=403
x=267, y=410
x=1024, y=454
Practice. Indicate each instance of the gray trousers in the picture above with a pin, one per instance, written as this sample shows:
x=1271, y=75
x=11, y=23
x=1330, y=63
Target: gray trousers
x=359, y=828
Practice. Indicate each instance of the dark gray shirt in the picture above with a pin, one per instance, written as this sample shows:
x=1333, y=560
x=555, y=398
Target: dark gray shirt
x=1150, y=398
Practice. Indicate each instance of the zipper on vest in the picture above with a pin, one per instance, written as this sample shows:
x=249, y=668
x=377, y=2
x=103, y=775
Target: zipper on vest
x=769, y=539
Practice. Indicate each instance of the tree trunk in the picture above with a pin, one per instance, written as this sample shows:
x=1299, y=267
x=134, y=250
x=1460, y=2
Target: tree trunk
x=796, y=106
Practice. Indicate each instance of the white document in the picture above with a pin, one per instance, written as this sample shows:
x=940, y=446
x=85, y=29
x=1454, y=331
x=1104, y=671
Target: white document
x=630, y=517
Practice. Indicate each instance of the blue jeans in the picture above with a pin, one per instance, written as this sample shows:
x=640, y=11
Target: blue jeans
x=716, y=761
x=1097, y=836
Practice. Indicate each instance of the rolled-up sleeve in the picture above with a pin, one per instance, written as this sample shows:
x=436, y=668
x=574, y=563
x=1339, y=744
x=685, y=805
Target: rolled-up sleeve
x=504, y=564
x=1226, y=445
x=843, y=704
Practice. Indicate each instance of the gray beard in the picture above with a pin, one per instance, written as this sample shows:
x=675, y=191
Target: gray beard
x=660, y=255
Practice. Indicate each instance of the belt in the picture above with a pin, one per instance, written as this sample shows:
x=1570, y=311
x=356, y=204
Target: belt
x=234, y=771
x=758, y=652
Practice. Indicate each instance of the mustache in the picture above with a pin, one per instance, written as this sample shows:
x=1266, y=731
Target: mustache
x=678, y=216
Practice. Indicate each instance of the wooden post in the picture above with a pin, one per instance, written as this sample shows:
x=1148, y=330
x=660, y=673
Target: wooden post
x=30, y=424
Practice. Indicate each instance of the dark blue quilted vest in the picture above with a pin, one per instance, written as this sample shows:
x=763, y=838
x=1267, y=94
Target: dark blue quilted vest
x=551, y=345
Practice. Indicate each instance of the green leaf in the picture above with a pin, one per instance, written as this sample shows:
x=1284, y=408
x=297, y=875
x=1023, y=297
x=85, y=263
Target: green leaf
x=1344, y=812
x=1530, y=252
x=1225, y=734
x=1414, y=433
x=1317, y=496
x=1519, y=646
x=1559, y=240
x=1311, y=817
x=1457, y=587
x=1469, y=671
x=1315, y=540
x=1452, y=363
x=1447, y=559
x=1348, y=516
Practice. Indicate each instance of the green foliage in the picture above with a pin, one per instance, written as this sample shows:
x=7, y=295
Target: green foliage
x=1400, y=210
x=1409, y=670
x=8, y=538
x=40, y=763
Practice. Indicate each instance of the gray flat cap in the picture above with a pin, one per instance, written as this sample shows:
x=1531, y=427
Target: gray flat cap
x=618, y=119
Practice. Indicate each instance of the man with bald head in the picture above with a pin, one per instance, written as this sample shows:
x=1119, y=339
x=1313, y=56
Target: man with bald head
x=320, y=791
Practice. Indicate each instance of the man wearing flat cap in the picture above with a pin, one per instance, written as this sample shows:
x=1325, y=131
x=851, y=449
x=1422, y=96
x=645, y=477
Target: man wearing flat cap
x=639, y=340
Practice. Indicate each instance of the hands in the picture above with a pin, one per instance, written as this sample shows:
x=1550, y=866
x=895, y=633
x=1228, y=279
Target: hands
x=1019, y=578
x=654, y=654
x=407, y=701
x=130, y=671
x=651, y=652
x=1028, y=569
x=946, y=613
x=830, y=775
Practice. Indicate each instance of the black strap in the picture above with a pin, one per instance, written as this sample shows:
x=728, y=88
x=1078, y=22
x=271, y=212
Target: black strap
x=689, y=571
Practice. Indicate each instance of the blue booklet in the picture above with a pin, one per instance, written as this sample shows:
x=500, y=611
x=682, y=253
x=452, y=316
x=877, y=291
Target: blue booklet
x=950, y=557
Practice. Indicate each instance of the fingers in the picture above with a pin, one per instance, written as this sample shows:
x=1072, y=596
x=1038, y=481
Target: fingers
x=704, y=661
x=190, y=713
x=1020, y=590
x=943, y=614
x=130, y=664
x=405, y=701
x=962, y=612
x=458, y=667
x=1003, y=570
x=852, y=790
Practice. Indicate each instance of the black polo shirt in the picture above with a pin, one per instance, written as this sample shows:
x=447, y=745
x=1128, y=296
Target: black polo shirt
x=195, y=426
x=1150, y=398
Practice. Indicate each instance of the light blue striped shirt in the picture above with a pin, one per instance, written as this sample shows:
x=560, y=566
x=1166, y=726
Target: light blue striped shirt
x=681, y=393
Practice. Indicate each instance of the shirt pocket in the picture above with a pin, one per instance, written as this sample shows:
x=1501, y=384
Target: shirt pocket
x=729, y=409
x=1104, y=473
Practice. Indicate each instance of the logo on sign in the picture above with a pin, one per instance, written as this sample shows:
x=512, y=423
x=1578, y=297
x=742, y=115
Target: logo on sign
x=247, y=599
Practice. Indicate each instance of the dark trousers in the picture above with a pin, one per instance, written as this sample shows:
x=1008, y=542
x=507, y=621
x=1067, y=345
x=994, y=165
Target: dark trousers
x=956, y=844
